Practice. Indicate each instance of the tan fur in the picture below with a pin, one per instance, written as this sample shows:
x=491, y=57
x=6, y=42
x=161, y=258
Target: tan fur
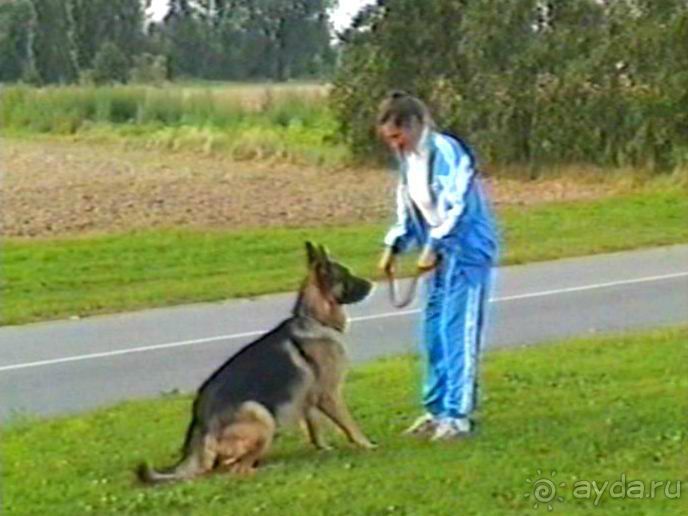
x=243, y=443
x=321, y=306
x=327, y=396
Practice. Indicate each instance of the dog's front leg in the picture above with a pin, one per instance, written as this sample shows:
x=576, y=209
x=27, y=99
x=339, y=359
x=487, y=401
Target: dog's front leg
x=313, y=430
x=334, y=407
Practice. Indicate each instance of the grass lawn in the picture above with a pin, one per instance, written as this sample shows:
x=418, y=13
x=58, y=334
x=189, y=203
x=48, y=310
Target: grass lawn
x=610, y=409
x=46, y=279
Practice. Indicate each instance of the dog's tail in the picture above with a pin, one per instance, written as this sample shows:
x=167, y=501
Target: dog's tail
x=193, y=463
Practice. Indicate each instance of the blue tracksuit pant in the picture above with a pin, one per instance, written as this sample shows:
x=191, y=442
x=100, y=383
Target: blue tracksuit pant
x=453, y=323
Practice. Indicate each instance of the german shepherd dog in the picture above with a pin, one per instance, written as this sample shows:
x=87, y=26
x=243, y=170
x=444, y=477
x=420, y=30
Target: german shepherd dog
x=289, y=375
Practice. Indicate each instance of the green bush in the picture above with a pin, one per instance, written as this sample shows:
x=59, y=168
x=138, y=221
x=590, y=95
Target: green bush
x=110, y=65
x=149, y=69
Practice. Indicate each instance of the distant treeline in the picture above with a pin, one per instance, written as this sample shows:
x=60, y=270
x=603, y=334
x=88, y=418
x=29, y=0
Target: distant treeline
x=103, y=41
x=529, y=81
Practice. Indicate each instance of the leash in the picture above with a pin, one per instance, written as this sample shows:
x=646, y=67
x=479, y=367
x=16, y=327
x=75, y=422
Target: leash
x=394, y=295
x=406, y=300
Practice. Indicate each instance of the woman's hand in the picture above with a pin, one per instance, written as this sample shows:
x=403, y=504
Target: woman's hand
x=386, y=263
x=427, y=260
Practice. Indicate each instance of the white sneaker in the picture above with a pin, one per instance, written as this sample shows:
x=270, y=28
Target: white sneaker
x=424, y=425
x=452, y=428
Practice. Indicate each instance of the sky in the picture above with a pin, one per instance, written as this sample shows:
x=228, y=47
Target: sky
x=341, y=17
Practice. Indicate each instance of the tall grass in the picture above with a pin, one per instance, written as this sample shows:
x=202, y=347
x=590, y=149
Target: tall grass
x=251, y=121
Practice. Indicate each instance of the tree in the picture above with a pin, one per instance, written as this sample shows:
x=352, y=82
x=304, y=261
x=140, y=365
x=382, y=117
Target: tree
x=52, y=51
x=296, y=32
x=53, y=41
x=185, y=40
x=93, y=22
x=15, y=22
x=248, y=39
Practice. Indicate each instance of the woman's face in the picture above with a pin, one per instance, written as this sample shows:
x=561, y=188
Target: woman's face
x=401, y=139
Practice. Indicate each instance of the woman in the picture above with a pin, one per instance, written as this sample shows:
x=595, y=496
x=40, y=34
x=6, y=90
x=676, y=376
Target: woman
x=442, y=209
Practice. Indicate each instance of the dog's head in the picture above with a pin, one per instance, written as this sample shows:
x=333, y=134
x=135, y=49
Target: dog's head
x=334, y=279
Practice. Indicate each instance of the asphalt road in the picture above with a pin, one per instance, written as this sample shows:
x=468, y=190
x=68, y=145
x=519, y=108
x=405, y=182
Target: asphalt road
x=67, y=366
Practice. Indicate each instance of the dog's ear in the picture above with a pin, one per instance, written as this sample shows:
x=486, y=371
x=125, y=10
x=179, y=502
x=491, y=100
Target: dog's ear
x=324, y=255
x=312, y=253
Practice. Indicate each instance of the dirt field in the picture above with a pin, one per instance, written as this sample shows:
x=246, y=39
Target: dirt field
x=52, y=188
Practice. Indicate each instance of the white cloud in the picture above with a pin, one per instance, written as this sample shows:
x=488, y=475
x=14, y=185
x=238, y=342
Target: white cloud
x=345, y=11
x=158, y=9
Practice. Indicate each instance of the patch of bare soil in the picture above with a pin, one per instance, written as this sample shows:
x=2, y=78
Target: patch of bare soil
x=57, y=188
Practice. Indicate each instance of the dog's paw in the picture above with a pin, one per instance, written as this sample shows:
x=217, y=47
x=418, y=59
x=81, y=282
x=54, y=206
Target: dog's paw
x=367, y=445
x=242, y=470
